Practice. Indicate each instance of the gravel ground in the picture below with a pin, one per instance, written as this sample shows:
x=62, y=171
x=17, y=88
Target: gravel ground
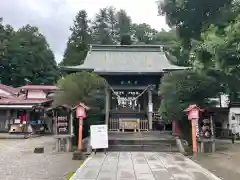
x=17, y=160
x=225, y=162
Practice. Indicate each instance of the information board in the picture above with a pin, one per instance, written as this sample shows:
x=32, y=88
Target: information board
x=99, y=136
x=62, y=125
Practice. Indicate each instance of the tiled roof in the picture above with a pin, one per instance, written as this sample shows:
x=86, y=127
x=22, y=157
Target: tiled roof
x=39, y=87
x=22, y=101
x=4, y=95
x=126, y=59
x=9, y=89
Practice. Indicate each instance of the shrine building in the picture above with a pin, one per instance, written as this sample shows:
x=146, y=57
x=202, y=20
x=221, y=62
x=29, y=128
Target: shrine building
x=133, y=74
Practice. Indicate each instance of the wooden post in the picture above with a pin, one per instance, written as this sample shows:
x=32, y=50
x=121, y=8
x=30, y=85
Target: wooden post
x=194, y=139
x=71, y=124
x=107, y=96
x=80, y=134
x=213, y=134
x=150, y=110
x=212, y=127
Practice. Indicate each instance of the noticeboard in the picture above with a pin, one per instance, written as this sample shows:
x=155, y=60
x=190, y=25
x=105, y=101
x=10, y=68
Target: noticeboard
x=63, y=125
x=99, y=136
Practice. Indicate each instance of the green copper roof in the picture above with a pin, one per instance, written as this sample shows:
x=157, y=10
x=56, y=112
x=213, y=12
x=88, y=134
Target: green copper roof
x=125, y=59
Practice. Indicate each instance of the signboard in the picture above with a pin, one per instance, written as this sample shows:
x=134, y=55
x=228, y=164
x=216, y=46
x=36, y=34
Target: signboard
x=62, y=125
x=99, y=136
x=150, y=107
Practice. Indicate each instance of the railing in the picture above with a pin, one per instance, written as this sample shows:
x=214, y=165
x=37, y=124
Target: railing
x=113, y=124
x=144, y=125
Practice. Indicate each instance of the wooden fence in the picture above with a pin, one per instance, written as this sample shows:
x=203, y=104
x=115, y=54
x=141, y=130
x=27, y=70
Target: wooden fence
x=113, y=124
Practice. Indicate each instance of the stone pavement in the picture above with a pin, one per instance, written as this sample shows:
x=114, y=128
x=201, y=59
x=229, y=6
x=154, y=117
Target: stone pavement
x=141, y=166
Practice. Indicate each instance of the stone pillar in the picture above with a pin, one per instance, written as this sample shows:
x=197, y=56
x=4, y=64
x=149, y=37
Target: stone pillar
x=71, y=124
x=7, y=122
x=107, y=105
x=150, y=111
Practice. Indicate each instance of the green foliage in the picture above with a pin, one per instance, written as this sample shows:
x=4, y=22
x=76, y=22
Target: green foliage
x=126, y=40
x=81, y=87
x=113, y=22
x=26, y=57
x=210, y=36
x=77, y=46
x=219, y=51
x=190, y=17
x=180, y=89
x=124, y=23
x=101, y=29
x=175, y=52
x=85, y=87
x=143, y=33
x=111, y=26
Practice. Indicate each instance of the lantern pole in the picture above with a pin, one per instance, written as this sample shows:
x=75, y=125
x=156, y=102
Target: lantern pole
x=194, y=139
x=193, y=115
x=80, y=114
x=80, y=133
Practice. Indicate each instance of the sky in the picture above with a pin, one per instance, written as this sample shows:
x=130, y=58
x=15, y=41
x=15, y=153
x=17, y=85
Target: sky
x=54, y=17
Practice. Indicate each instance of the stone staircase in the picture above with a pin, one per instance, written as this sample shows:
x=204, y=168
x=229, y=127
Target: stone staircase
x=142, y=141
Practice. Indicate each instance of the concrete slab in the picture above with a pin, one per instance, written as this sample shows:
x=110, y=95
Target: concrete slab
x=141, y=166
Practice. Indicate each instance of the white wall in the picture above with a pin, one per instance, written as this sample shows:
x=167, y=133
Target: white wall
x=4, y=92
x=36, y=94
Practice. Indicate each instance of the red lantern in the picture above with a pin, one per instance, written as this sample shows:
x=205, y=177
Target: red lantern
x=193, y=112
x=80, y=112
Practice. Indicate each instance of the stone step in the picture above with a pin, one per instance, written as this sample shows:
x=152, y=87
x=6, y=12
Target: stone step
x=141, y=142
x=144, y=148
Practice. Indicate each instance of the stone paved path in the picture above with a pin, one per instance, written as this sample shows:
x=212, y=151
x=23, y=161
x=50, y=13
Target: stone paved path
x=141, y=166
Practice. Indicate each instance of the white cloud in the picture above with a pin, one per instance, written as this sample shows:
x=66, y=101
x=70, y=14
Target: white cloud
x=54, y=17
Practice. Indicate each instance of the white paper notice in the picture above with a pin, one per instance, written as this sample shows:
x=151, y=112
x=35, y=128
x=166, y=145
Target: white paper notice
x=150, y=107
x=99, y=136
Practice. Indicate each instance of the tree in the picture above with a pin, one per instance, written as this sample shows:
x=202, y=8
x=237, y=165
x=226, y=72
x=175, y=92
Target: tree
x=123, y=24
x=143, y=33
x=190, y=17
x=126, y=40
x=180, y=89
x=112, y=19
x=6, y=33
x=86, y=87
x=173, y=48
x=101, y=30
x=219, y=54
x=78, y=43
x=29, y=58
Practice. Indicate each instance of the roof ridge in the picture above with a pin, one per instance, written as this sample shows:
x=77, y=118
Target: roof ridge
x=9, y=89
x=97, y=47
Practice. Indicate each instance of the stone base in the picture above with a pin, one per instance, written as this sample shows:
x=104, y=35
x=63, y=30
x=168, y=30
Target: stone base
x=77, y=155
x=39, y=150
x=63, y=143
